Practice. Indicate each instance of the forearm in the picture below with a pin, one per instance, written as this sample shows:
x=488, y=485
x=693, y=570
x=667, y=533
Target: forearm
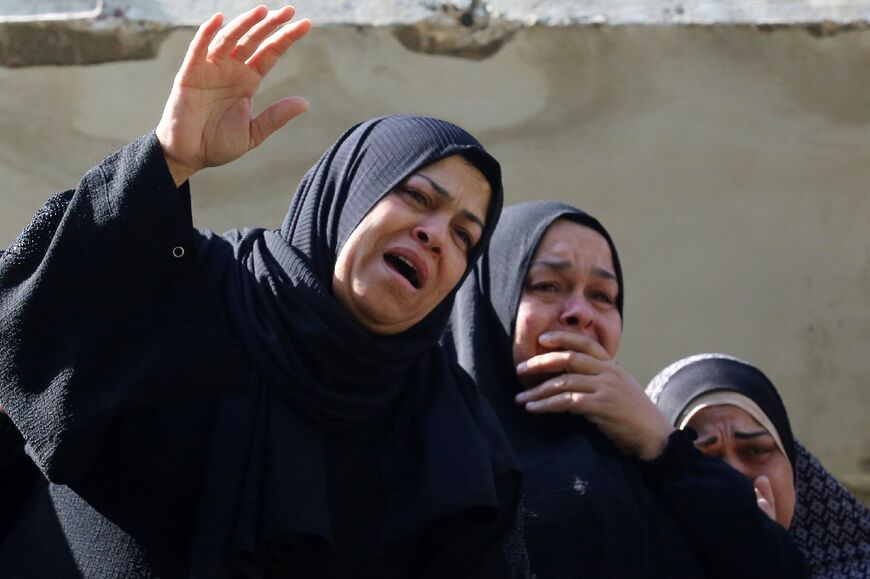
x=88, y=294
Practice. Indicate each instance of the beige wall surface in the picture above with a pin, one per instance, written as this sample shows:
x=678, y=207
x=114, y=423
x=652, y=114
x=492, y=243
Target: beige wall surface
x=730, y=164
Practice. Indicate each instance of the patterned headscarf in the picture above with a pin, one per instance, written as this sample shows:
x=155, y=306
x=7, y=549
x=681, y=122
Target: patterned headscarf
x=830, y=526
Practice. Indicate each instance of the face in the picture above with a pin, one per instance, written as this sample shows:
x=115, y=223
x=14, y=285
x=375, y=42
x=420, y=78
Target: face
x=413, y=247
x=731, y=434
x=571, y=286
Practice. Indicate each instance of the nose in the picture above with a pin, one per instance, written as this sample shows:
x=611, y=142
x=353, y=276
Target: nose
x=577, y=312
x=430, y=238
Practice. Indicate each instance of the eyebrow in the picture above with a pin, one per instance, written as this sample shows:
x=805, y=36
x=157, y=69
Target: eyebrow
x=738, y=435
x=446, y=194
x=562, y=265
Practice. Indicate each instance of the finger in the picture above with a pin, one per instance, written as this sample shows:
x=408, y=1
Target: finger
x=229, y=36
x=270, y=51
x=559, y=362
x=556, y=386
x=248, y=44
x=198, y=49
x=563, y=402
x=275, y=117
x=766, y=508
x=575, y=342
x=764, y=496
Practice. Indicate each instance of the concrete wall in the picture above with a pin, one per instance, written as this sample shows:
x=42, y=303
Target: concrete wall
x=728, y=156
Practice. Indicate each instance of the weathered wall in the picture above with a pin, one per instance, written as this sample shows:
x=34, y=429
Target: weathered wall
x=728, y=159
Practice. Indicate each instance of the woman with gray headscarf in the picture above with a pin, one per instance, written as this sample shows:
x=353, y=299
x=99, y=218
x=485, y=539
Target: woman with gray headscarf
x=610, y=489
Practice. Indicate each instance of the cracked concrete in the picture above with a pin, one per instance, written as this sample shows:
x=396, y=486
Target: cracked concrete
x=462, y=31
x=94, y=31
x=41, y=43
x=726, y=154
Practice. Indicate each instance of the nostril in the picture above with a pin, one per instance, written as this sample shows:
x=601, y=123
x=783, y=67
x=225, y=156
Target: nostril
x=572, y=321
x=421, y=235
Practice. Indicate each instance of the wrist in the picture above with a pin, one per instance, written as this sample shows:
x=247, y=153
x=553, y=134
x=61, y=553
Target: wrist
x=655, y=445
x=180, y=172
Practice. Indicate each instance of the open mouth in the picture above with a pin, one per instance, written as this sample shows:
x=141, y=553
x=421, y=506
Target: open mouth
x=405, y=268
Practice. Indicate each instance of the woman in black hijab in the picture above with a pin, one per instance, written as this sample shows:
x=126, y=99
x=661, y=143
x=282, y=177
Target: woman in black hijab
x=265, y=403
x=609, y=491
x=741, y=419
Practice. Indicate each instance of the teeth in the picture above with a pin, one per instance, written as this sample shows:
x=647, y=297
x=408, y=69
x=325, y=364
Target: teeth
x=406, y=262
x=405, y=267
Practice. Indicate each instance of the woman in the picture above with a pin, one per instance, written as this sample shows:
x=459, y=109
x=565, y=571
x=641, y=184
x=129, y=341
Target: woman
x=266, y=403
x=740, y=418
x=609, y=490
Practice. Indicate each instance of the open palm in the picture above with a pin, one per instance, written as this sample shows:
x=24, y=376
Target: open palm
x=208, y=119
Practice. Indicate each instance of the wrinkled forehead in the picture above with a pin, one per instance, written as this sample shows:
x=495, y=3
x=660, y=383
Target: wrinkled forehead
x=393, y=150
x=454, y=174
x=708, y=375
x=566, y=239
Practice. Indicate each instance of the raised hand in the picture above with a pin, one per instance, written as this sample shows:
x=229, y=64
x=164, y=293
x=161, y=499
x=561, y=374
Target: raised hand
x=583, y=379
x=208, y=118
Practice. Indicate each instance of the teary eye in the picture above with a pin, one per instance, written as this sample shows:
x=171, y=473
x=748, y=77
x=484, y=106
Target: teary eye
x=603, y=297
x=544, y=287
x=466, y=238
x=758, y=452
x=416, y=196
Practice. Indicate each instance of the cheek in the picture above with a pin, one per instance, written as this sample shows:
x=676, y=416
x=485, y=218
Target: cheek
x=610, y=333
x=453, y=271
x=449, y=274
x=530, y=324
x=780, y=476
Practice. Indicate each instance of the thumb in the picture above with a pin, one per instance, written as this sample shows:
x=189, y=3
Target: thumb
x=276, y=116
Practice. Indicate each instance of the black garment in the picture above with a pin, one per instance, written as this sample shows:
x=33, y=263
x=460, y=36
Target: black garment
x=18, y=475
x=830, y=526
x=589, y=511
x=207, y=402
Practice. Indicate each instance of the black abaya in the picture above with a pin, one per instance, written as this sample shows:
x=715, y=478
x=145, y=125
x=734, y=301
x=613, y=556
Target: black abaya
x=201, y=404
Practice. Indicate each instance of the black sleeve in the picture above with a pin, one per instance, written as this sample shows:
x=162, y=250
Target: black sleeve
x=103, y=306
x=715, y=507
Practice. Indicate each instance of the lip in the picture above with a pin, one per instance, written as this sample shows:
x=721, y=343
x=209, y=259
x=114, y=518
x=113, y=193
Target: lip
x=416, y=260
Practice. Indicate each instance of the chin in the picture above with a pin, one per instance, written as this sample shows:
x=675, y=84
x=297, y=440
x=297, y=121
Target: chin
x=381, y=324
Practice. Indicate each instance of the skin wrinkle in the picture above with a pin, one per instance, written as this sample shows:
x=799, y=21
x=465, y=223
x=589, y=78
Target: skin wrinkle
x=733, y=435
x=579, y=254
x=419, y=219
x=445, y=193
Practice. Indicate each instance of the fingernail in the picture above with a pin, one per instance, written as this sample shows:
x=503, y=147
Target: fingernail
x=521, y=397
x=547, y=337
x=532, y=405
x=522, y=367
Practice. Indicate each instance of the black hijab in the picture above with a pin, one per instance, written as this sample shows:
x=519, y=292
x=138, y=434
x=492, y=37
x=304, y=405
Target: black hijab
x=680, y=384
x=318, y=372
x=482, y=324
x=830, y=526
